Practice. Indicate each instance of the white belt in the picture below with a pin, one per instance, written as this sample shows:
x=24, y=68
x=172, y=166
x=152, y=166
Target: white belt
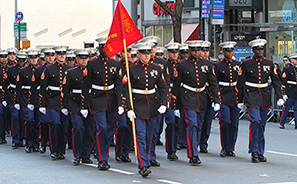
x=227, y=83
x=76, y=91
x=54, y=88
x=144, y=92
x=0, y=87
x=291, y=82
x=26, y=87
x=255, y=85
x=12, y=86
x=105, y=88
x=38, y=87
x=194, y=89
x=171, y=85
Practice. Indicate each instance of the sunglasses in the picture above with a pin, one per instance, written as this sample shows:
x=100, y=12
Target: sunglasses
x=70, y=58
x=61, y=53
x=285, y=60
x=33, y=57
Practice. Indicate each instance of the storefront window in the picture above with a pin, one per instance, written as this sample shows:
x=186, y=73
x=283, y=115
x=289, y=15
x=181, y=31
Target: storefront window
x=167, y=34
x=149, y=31
x=159, y=33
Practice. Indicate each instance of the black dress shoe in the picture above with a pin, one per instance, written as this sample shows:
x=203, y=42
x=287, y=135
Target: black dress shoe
x=184, y=146
x=36, y=150
x=112, y=144
x=230, y=154
x=103, y=165
x=195, y=160
x=172, y=156
x=4, y=141
x=69, y=146
x=159, y=143
x=28, y=150
x=43, y=149
x=132, y=149
x=262, y=158
x=179, y=146
x=15, y=145
x=87, y=161
x=61, y=156
x=155, y=163
x=145, y=171
x=255, y=158
x=93, y=151
x=54, y=156
x=223, y=153
x=76, y=161
x=203, y=150
x=281, y=126
x=21, y=145
x=125, y=159
x=118, y=158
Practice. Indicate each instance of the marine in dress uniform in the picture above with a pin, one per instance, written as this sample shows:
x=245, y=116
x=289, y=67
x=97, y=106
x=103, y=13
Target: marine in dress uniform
x=83, y=124
x=227, y=71
x=10, y=98
x=123, y=126
x=159, y=125
x=160, y=52
x=49, y=56
x=189, y=95
x=3, y=106
x=134, y=56
x=289, y=81
x=145, y=76
x=172, y=121
x=253, y=90
x=70, y=58
x=52, y=100
x=11, y=56
x=23, y=101
x=184, y=51
x=102, y=89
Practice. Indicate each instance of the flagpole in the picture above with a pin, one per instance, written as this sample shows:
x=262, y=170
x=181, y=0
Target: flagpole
x=131, y=99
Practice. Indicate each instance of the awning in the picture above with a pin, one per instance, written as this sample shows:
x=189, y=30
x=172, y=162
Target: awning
x=189, y=32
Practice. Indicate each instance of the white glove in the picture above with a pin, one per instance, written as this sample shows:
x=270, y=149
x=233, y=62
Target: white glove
x=121, y=110
x=131, y=114
x=177, y=113
x=30, y=107
x=17, y=107
x=4, y=103
x=84, y=112
x=285, y=97
x=65, y=111
x=240, y=106
x=162, y=109
x=280, y=102
x=216, y=107
x=42, y=110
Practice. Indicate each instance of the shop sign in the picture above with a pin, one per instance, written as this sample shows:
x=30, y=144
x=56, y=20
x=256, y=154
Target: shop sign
x=158, y=10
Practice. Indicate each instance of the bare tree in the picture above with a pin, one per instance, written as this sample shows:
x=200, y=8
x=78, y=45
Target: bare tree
x=176, y=17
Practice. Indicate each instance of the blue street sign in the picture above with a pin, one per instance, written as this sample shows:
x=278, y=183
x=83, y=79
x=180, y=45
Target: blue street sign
x=205, y=12
x=218, y=9
x=19, y=17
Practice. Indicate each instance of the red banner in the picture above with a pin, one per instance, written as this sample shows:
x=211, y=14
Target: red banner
x=122, y=27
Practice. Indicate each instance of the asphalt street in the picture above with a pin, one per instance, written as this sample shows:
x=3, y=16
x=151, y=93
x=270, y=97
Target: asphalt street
x=16, y=166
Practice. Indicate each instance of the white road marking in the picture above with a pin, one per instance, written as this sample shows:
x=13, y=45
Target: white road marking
x=167, y=181
x=112, y=169
x=281, y=153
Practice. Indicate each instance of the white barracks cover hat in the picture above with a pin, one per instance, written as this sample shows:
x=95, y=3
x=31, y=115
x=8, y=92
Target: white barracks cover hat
x=257, y=43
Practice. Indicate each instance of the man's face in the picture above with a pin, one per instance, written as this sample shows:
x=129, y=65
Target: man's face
x=204, y=54
x=294, y=61
x=3, y=60
x=184, y=55
x=128, y=55
x=33, y=61
x=154, y=50
x=285, y=60
x=61, y=58
x=49, y=59
x=195, y=53
x=258, y=52
x=71, y=61
x=144, y=58
x=11, y=57
x=228, y=54
x=82, y=62
x=172, y=55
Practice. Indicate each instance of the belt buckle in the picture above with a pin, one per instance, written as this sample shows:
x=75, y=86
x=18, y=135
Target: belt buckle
x=259, y=85
x=105, y=88
x=198, y=90
x=232, y=84
x=60, y=89
x=146, y=92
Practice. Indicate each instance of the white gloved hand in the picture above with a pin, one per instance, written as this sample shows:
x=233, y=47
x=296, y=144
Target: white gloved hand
x=280, y=102
x=65, y=111
x=4, y=103
x=30, y=107
x=84, y=112
x=216, y=107
x=177, y=113
x=131, y=114
x=162, y=109
x=121, y=110
x=42, y=110
x=285, y=97
x=17, y=107
x=240, y=106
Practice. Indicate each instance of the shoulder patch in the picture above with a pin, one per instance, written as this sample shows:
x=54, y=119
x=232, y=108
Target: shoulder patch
x=64, y=80
x=240, y=71
x=42, y=76
x=18, y=78
x=85, y=72
x=175, y=72
x=33, y=78
x=125, y=79
x=284, y=75
x=5, y=75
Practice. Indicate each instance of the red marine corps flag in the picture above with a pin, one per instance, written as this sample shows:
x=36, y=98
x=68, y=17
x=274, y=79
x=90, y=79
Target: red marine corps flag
x=122, y=27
